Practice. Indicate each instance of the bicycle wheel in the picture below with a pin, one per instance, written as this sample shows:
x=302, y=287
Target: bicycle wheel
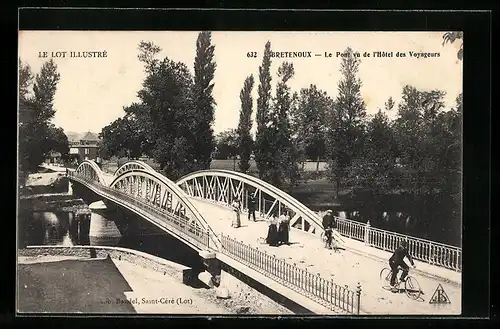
x=385, y=276
x=412, y=288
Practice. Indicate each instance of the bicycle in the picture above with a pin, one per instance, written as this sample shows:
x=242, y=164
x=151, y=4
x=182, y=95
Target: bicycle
x=336, y=241
x=411, y=285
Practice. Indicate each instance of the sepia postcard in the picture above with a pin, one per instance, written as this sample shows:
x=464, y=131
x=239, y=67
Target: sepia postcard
x=231, y=172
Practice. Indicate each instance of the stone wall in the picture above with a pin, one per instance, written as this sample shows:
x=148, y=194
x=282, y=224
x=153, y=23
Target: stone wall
x=132, y=256
x=246, y=291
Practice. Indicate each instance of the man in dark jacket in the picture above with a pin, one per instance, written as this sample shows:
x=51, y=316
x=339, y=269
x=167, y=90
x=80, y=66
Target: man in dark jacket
x=397, y=260
x=251, y=206
x=328, y=226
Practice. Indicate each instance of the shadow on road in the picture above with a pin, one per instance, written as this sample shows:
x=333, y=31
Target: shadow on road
x=72, y=286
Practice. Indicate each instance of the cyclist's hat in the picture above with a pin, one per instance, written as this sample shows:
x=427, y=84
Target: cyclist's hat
x=329, y=211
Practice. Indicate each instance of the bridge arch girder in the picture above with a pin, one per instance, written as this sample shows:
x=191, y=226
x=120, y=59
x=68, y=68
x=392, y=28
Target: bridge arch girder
x=132, y=165
x=88, y=169
x=223, y=186
x=157, y=191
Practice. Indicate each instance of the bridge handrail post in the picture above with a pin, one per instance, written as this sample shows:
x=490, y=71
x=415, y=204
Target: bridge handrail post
x=358, y=297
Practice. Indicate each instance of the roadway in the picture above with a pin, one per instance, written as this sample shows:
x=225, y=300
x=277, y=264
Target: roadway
x=347, y=267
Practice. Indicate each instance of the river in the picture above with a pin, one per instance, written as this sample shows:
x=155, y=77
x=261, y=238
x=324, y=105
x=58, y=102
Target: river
x=52, y=228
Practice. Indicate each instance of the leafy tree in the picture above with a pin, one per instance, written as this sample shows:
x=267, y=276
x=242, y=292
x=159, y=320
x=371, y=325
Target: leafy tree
x=147, y=52
x=245, y=141
x=121, y=138
x=389, y=105
x=375, y=168
x=226, y=144
x=283, y=153
x=138, y=123
x=204, y=70
x=417, y=130
x=346, y=121
x=167, y=97
x=25, y=80
x=44, y=90
x=309, y=120
x=451, y=37
x=35, y=131
x=262, y=137
x=58, y=141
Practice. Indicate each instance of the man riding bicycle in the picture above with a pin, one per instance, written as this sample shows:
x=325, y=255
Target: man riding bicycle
x=329, y=225
x=397, y=260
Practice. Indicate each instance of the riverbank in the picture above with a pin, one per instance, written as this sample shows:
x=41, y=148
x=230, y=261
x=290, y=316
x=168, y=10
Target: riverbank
x=45, y=181
x=50, y=278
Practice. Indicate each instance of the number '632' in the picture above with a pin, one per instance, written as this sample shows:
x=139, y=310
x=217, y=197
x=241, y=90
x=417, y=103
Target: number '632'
x=252, y=54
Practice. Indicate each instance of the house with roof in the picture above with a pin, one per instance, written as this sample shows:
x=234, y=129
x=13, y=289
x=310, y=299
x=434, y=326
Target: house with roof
x=84, y=147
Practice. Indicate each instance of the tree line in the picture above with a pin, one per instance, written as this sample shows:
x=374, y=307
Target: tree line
x=418, y=151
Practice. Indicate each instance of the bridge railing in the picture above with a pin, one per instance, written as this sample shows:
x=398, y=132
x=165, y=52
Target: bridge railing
x=428, y=251
x=432, y=252
x=163, y=217
x=313, y=286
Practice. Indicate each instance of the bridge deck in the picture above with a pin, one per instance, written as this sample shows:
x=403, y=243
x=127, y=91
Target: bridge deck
x=346, y=267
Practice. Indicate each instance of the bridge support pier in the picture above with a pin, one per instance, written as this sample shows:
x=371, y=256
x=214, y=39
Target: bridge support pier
x=80, y=223
x=211, y=275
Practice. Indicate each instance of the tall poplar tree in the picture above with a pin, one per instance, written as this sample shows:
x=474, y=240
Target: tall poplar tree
x=204, y=70
x=345, y=134
x=245, y=141
x=283, y=153
x=262, y=138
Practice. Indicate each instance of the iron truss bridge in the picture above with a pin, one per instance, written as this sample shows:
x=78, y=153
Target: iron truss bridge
x=167, y=204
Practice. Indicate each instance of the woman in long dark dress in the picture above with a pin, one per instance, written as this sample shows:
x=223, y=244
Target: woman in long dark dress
x=272, y=232
x=284, y=227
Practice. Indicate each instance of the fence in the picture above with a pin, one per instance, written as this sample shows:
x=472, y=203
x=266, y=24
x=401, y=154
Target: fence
x=323, y=291
x=431, y=252
x=160, y=216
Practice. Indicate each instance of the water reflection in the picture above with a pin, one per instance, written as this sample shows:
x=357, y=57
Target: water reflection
x=48, y=228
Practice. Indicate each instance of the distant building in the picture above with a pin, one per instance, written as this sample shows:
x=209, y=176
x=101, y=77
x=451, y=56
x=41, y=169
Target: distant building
x=84, y=148
x=54, y=158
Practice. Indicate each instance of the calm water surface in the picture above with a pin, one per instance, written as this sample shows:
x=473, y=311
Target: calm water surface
x=52, y=228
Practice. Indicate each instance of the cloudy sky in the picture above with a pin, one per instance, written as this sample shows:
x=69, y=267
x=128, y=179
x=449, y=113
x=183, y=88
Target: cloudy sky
x=93, y=91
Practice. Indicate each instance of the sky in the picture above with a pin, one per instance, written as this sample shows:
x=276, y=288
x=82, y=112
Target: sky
x=93, y=91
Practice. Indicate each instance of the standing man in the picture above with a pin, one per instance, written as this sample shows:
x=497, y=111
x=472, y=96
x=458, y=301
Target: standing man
x=328, y=223
x=251, y=206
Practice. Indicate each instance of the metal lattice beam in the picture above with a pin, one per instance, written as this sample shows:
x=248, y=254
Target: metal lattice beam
x=89, y=170
x=223, y=186
x=132, y=165
x=158, y=191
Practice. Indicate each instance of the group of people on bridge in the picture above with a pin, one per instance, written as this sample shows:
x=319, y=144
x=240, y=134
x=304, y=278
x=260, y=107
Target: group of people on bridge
x=279, y=225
